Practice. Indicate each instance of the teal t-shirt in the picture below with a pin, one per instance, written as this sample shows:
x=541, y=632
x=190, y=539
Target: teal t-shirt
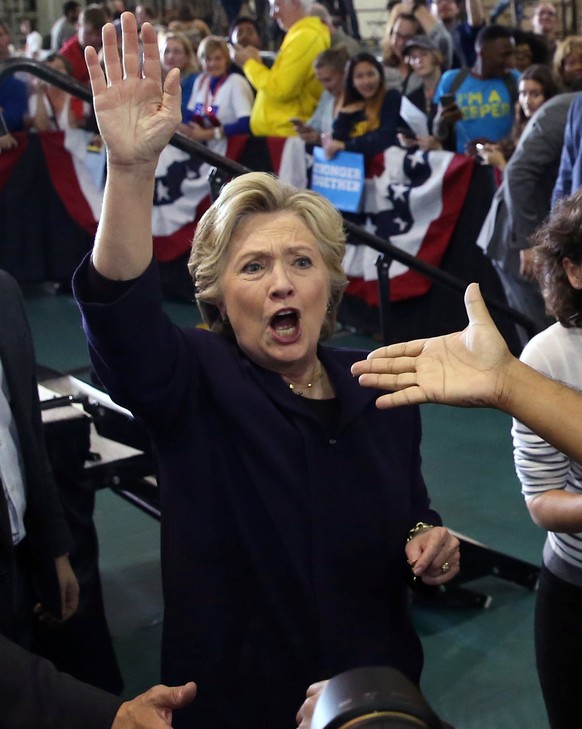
x=486, y=105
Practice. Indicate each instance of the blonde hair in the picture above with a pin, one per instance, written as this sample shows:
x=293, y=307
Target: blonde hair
x=184, y=41
x=209, y=45
x=389, y=57
x=570, y=44
x=195, y=30
x=249, y=194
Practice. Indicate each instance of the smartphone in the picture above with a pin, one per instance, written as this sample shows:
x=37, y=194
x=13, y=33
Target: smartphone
x=447, y=100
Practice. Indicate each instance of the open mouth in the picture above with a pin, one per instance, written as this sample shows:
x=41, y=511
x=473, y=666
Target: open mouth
x=285, y=324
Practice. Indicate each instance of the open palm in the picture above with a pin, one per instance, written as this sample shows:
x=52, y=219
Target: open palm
x=464, y=368
x=136, y=116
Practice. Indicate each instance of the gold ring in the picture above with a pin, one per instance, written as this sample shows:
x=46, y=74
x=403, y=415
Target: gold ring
x=445, y=568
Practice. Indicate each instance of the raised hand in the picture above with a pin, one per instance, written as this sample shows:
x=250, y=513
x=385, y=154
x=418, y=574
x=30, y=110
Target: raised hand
x=466, y=368
x=135, y=114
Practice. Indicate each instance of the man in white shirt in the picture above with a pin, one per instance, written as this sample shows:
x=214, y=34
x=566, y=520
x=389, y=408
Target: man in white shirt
x=65, y=27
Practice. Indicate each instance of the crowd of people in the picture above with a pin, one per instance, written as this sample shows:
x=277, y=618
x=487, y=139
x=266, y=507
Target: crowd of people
x=277, y=573
x=475, y=85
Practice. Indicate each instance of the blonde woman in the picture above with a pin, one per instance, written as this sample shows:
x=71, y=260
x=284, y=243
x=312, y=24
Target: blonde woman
x=405, y=22
x=178, y=52
x=221, y=101
x=568, y=62
x=293, y=510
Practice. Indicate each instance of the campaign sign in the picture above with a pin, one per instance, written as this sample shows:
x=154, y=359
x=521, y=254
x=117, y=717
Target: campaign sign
x=340, y=180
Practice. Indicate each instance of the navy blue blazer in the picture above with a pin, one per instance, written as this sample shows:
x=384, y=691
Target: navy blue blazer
x=34, y=695
x=282, y=543
x=47, y=532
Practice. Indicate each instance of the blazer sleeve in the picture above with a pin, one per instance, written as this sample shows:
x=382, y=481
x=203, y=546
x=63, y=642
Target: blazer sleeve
x=35, y=695
x=532, y=170
x=570, y=154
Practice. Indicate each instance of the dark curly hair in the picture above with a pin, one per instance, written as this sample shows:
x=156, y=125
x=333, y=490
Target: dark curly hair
x=558, y=238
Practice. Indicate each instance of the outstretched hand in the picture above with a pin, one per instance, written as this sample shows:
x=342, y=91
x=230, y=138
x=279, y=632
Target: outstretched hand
x=154, y=708
x=466, y=368
x=135, y=114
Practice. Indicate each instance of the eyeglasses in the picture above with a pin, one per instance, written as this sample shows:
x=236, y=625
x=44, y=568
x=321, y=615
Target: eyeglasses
x=401, y=36
x=416, y=59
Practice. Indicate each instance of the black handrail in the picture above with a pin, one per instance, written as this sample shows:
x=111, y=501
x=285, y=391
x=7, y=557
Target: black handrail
x=384, y=247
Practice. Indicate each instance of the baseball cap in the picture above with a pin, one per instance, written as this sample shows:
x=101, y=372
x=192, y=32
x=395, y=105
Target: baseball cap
x=420, y=41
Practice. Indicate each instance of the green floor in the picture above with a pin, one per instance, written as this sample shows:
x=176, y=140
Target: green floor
x=479, y=665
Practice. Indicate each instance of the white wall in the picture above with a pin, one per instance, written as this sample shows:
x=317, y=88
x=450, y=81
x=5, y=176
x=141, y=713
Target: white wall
x=47, y=12
x=372, y=17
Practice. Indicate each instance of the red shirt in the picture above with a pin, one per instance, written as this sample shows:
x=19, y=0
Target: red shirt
x=72, y=50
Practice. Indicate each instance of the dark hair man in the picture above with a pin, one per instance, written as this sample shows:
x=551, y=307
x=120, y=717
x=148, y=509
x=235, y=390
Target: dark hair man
x=484, y=96
x=65, y=27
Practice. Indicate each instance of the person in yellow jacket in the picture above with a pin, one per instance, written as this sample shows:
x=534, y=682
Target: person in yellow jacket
x=289, y=89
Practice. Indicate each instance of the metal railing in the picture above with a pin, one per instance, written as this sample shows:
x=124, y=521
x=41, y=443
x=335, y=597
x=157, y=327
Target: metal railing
x=229, y=168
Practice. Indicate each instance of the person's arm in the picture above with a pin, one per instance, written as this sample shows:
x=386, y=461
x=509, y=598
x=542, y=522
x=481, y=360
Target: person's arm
x=35, y=695
x=446, y=118
x=433, y=555
x=244, y=53
x=293, y=65
x=474, y=368
x=7, y=141
x=475, y=14
x=305, y=713
x=37, y=107
x=557, y=510
x=136, y=119
x=570, y=154
x=241, y=98
x=543, y=472
x=492, y=155
x=68, y=585
x=532, y=170
x=154, y=708
x=434, y=29
x=315, y=124
x=426, y=19
x=439, y=35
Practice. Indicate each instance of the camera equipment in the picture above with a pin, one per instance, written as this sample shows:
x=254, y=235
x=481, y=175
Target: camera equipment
x=373, y=697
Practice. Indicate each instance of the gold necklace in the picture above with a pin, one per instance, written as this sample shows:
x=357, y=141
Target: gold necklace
x=309, y=385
